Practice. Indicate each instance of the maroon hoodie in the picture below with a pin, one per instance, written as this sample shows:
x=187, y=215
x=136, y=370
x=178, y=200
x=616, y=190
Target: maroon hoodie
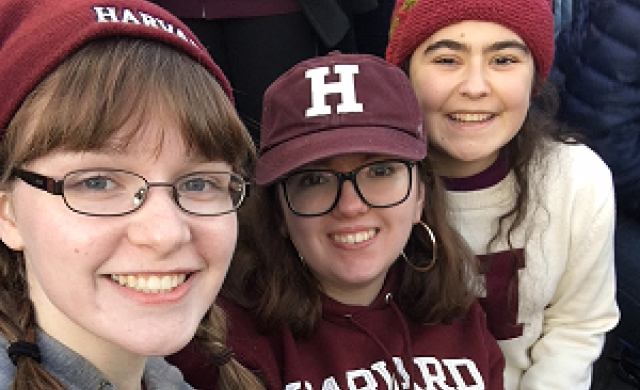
x=359, y=348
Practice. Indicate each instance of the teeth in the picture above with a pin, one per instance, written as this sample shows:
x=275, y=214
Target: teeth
x=152, y=284
x=460, y=117
x=355, y=238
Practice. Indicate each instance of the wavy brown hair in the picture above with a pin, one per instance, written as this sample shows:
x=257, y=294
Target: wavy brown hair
x=268, y=277
x=106, y=85
x=528, y=148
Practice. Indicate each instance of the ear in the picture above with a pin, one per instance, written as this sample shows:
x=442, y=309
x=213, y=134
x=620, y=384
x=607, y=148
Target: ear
x=8, y=231
x=419, y=207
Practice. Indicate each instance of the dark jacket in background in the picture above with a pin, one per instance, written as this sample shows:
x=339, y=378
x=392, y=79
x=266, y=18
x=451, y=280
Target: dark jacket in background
x=227, y=9
x=255, y=41
x=330, y=18
x=598, y=72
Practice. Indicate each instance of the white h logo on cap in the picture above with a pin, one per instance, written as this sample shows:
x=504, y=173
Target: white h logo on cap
x=345, y=87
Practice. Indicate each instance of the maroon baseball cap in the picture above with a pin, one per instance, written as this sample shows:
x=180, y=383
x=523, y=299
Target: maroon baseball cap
x=338, y=104
x=37, y=35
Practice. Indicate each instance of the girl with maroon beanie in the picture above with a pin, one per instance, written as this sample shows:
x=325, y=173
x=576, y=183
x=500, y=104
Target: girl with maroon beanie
x=536, y=207
x=122, y=163
x=347, y=273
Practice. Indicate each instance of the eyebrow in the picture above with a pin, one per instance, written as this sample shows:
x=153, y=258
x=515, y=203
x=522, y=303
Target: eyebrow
x=496, y=46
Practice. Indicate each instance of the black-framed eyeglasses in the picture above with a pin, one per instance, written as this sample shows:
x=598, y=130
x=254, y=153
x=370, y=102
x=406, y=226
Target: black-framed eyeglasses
x=380, y=184
x=114, y=192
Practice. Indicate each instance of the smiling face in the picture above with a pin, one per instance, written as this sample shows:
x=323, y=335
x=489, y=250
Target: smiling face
x=85, y=273
x=350, y=249
x=474, y=83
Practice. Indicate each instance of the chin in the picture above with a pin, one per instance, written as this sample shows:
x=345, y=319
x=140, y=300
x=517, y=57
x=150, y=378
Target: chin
x=160, y=341
x=160, y=347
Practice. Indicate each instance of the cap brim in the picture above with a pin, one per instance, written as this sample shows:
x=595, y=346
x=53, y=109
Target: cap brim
x=288, y=156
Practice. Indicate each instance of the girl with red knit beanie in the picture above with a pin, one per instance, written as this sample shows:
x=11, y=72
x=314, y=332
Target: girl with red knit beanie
x=536, y=207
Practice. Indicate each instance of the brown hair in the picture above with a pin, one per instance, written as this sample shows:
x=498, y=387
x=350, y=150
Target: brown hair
x=528, y=148
x=104, y=86
x=268, y=277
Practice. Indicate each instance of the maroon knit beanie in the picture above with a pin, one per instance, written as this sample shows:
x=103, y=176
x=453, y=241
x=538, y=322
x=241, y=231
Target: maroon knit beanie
x=414, y=21
x=37, y=35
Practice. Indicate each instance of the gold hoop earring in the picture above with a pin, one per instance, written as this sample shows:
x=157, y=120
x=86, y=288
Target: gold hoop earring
x=434, y=246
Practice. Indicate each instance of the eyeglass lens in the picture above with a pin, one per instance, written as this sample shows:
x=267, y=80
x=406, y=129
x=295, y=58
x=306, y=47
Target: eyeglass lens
x=115, y=192
x=379, y=184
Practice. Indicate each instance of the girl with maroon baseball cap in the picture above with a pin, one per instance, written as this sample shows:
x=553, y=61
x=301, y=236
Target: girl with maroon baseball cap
x=535, y=206
x=347, y=273
x=123, y=163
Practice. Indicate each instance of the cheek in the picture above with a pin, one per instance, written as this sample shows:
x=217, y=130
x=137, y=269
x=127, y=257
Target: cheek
x=431, y=93
x=516, y=94
x=63, y=259
x=295, y=228
x=300, y=231
x=518, y=99
x=216, y=240
x=61, y=234
x=518, y=105
x=525, y=103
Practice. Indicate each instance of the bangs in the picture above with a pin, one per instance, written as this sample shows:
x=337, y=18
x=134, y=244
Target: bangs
x=115, y=86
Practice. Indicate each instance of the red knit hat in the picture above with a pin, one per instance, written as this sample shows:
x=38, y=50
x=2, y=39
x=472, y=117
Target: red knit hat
x=338, y=104
x=414, y=21
x=37, y=35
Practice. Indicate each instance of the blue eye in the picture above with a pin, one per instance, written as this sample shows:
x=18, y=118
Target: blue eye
x=204, y=183
x=97, y=183
x=195, y=185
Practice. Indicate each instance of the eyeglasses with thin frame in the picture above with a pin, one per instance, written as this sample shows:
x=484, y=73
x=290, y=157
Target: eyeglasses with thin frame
x=379, y=184
x=113, y=192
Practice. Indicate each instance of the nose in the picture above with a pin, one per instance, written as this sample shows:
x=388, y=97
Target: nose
x=159, y=223
x=475, y=83
x=350, y=203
